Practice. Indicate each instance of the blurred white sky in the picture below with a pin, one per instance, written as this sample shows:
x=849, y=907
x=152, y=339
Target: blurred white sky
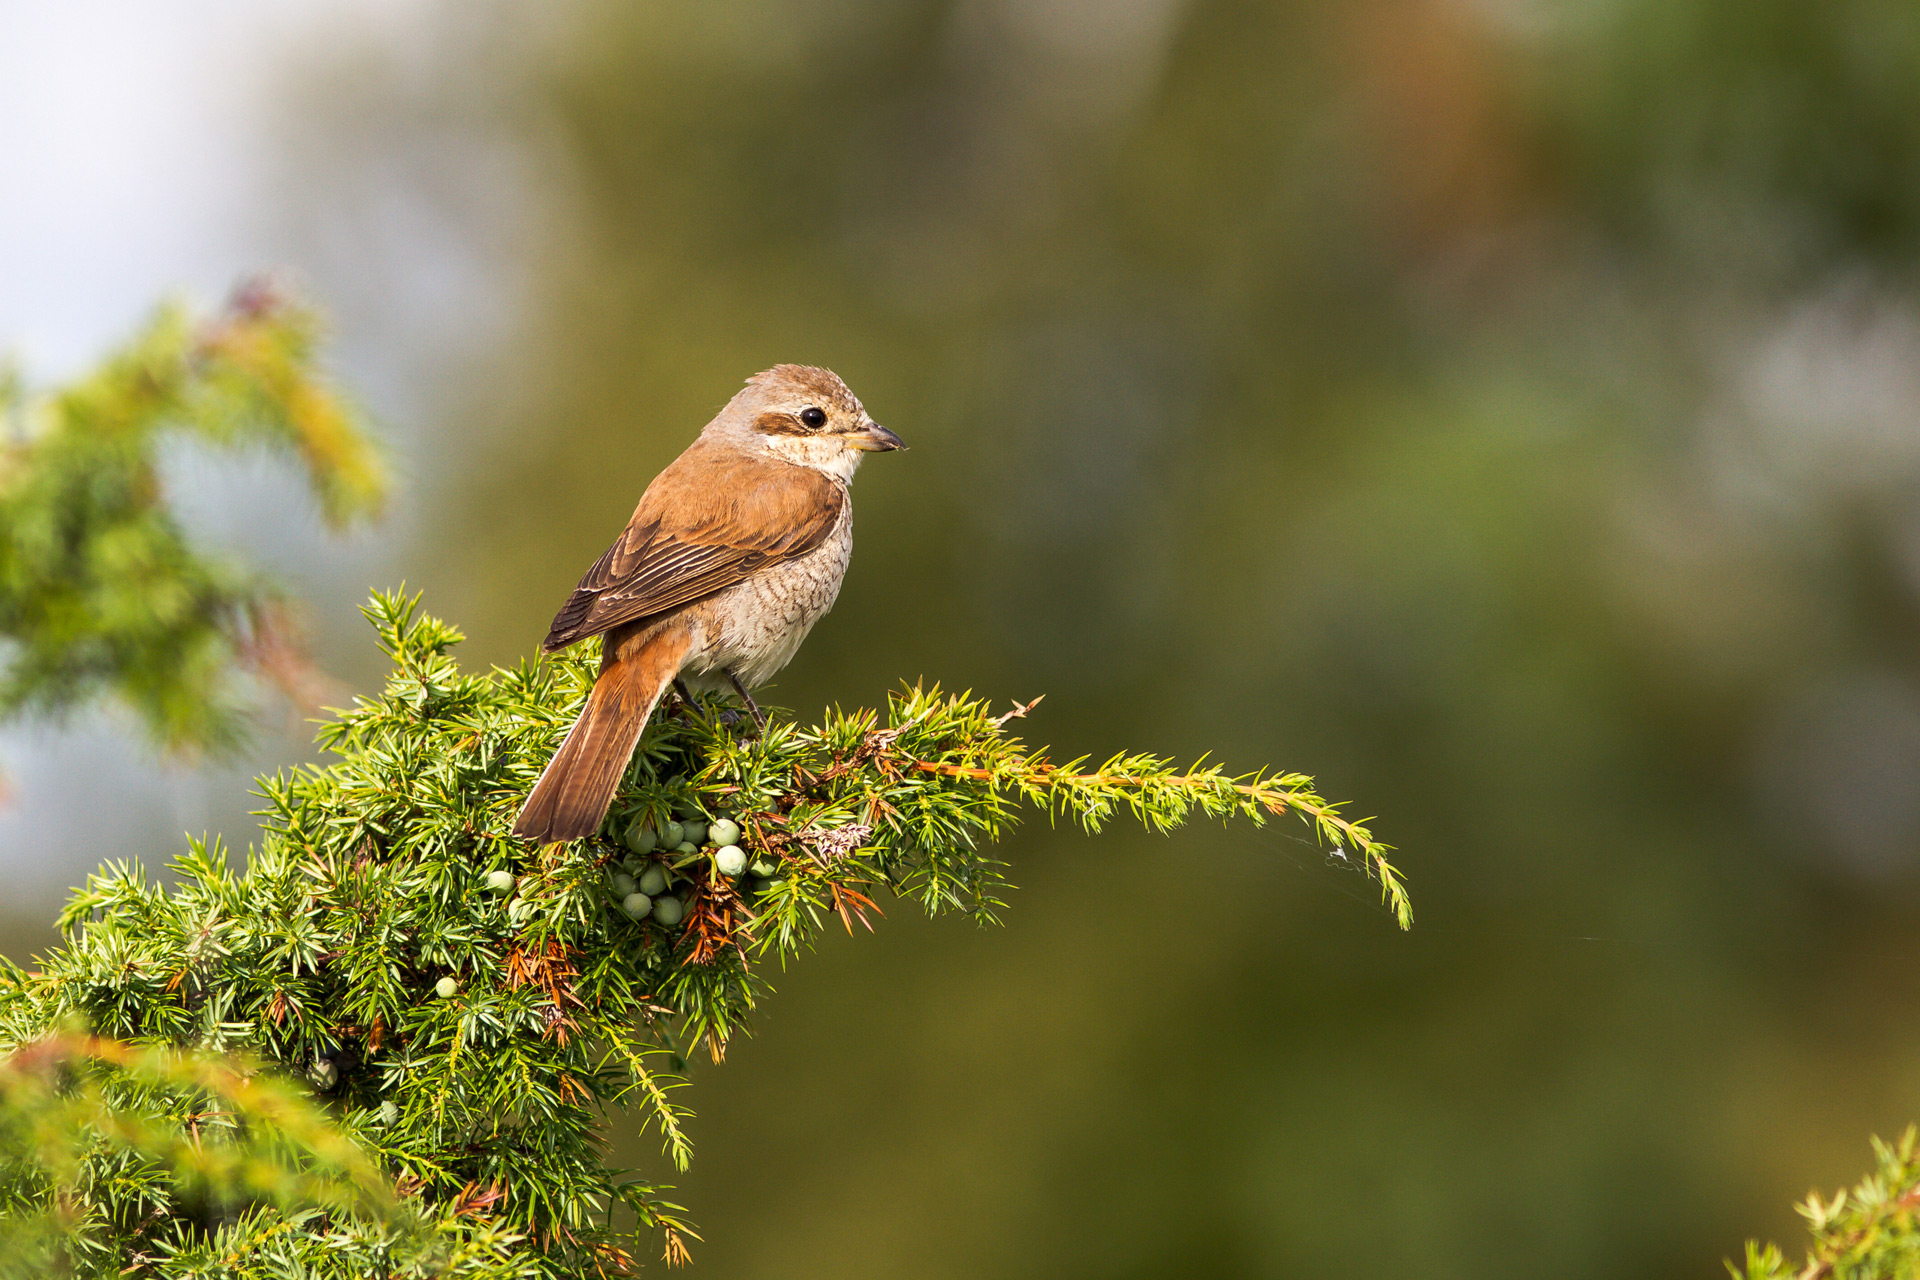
x=133, y=140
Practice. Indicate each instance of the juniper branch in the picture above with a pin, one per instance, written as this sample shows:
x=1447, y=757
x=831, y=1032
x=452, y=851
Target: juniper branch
x=1059, y=785
x=473, y=1010
x=1866, y=1232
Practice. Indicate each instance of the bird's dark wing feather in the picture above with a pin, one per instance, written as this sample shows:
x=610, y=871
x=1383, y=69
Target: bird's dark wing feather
x=713, y=518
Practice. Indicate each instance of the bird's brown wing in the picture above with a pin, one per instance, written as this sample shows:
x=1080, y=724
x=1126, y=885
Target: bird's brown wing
x=714, y=517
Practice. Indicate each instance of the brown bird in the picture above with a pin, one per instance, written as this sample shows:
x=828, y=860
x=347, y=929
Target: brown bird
x=734, y=552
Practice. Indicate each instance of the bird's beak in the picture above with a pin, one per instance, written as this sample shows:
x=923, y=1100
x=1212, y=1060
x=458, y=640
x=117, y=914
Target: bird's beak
x=874, y=438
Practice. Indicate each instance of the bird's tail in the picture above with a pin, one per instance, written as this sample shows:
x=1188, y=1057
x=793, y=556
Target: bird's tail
x=570, y=800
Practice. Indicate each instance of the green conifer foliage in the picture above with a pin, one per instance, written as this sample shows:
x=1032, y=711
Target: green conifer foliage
x=100, y=591
x=474, y=1010
x=1868, y=1232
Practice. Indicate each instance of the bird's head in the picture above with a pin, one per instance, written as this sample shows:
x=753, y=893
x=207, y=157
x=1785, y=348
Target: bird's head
x=807, y=416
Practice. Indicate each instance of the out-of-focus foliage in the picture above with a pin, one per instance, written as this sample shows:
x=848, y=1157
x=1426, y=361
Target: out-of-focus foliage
x=196, y=1163
x=473, y=1006
x=1772, y=136
x=1871, y=1232
x=111, y=1154
x=100, y=592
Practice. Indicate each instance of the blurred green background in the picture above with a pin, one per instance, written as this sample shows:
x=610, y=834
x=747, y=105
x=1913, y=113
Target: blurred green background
x=1507, y=411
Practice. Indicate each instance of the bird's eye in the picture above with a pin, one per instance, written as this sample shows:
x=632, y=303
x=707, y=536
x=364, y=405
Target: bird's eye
x=815, y=418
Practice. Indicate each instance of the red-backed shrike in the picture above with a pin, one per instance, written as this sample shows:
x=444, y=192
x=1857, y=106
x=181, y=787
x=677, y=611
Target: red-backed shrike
x=734, y=552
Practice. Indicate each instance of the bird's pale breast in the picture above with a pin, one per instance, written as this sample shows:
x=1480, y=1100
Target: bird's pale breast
x=756, y=626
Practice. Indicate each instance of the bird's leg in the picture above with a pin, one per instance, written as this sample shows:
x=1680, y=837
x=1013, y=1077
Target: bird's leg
x=686, y=699
x=759, y=720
